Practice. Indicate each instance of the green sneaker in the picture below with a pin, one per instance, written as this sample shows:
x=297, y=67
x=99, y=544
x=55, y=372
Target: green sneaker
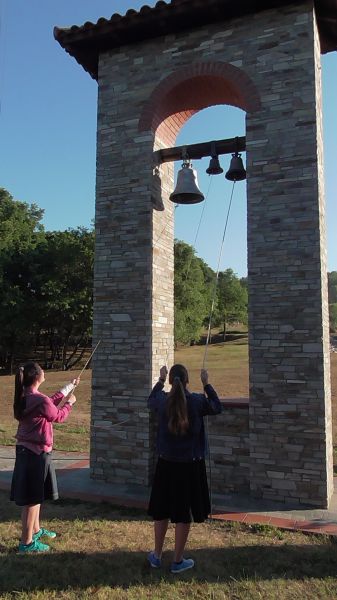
x=44, y=532
x=35, y=546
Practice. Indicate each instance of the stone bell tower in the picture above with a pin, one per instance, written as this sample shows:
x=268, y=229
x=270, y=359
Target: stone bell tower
x=156, y=68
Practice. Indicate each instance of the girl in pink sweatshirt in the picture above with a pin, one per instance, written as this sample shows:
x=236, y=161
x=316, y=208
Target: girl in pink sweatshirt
x=34, y=478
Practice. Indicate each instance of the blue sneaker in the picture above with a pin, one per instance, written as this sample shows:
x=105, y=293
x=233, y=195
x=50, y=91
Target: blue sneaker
x=183, y=565
x=35, y=546
x=44, y=532
x=153, y=560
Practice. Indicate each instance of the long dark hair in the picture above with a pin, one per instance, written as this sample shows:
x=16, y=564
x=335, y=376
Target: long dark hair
x=176, y=401
x=25, y=376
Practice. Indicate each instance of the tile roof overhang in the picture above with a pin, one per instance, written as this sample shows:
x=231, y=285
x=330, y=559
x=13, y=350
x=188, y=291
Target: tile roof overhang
x=85, y=43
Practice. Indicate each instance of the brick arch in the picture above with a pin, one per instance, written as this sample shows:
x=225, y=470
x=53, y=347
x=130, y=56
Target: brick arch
x=190, y=89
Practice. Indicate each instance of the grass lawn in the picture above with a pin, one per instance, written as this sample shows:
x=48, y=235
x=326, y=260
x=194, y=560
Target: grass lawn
x=100, y=553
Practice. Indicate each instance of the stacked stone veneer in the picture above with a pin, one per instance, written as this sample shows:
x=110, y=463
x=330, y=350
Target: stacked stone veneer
x=229, y=448
x=290, y=408
x=277, y=51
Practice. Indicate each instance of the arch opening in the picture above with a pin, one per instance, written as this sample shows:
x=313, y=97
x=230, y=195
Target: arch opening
x=187, y=91
x=211, y=123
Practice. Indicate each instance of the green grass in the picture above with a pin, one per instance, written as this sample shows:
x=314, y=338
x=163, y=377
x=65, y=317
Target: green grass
x=100, y=552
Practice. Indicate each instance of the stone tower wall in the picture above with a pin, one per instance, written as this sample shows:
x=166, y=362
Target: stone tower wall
x=277, y=51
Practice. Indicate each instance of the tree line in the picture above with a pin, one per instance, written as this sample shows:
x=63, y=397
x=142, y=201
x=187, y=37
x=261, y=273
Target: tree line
x=46, y=291
x=199, y=296
x=45, y=288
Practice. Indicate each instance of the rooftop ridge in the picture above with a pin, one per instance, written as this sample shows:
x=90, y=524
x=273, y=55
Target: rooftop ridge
x=85, y=42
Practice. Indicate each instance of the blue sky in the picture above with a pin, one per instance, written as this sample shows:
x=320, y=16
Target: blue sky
x=48, y=131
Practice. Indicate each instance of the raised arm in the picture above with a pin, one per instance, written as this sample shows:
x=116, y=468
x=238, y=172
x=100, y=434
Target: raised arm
x=64, y=391
x=157, y=394
x=211, y=404
x=52, y=413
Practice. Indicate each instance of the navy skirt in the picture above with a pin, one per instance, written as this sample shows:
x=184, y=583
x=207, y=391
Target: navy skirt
x=34, y=478
x=180, y=492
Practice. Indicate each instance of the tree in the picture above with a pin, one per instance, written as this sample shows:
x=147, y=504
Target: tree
x=64, y=287
x=20, y=226
x=232, y=299
x=191, y=293
x=46, y=283
x=20, y=232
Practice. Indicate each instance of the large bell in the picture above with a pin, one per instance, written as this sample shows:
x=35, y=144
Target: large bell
x=236, y=171
x=187, y=191
x=214, y=166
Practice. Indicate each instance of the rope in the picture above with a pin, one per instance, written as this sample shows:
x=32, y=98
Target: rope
x=101, y=427
x=54, y=457
x=198, y=228
x=194, y=243
x=208, y=339
x=164, y=229
x=217, y=277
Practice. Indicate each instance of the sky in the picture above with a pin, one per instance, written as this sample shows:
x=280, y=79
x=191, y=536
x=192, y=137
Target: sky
x=48, y=112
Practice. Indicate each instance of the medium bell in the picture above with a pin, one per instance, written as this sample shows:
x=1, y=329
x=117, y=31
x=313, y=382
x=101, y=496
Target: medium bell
x=187, y=191
x=236, y=171
x=214, y=166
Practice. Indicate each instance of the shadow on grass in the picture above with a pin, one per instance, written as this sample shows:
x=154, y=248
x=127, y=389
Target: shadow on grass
x=76, y=509
x=59, y=571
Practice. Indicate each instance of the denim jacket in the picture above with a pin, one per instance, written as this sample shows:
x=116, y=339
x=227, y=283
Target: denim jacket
x=191, y=445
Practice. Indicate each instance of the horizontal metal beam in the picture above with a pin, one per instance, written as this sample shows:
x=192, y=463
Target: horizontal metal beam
x=229, y=146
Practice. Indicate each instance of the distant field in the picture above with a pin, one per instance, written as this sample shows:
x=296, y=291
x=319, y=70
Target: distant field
x=227, y=364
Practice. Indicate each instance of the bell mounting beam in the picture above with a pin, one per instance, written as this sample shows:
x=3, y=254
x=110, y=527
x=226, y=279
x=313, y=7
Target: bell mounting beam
x=229, y=146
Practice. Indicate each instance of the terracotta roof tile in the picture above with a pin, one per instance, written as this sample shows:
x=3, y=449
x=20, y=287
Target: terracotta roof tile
x=87, y=41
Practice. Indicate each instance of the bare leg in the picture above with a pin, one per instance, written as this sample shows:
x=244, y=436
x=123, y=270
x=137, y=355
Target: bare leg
x=28, y=516
x=160, y=529
x=36, y=527
x=181, y=534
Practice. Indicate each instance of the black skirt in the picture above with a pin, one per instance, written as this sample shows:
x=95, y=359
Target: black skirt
x=34, y=478
x=180, y=492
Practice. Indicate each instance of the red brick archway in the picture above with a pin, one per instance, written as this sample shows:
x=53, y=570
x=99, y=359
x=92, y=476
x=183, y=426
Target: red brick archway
x=190, y=89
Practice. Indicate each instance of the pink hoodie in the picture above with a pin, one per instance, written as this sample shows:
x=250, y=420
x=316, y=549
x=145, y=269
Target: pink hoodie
x=35, y=430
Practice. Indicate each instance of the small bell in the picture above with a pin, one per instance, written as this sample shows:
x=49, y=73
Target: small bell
x=187, y=191
x=236, y=171
x=214, y=166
